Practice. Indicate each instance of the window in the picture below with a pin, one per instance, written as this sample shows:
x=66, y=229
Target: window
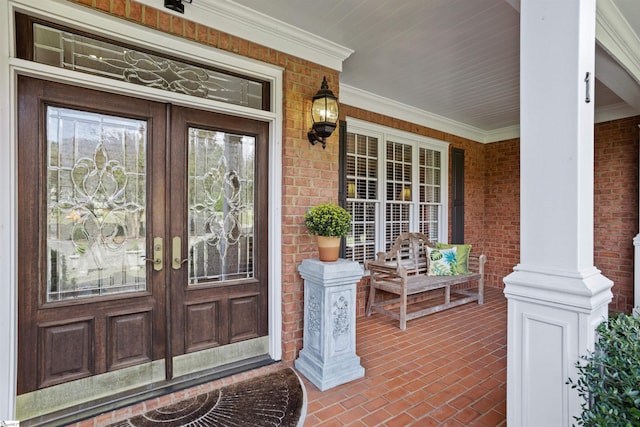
x=62, y=47
x=395, y=182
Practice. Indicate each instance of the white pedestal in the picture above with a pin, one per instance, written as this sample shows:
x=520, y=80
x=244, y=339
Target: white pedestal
x=328, y=357
x=552, y=320
x=636, y=276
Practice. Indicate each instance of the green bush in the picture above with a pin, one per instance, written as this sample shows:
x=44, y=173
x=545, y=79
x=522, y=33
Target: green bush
x=609, y=378
x=327, y=219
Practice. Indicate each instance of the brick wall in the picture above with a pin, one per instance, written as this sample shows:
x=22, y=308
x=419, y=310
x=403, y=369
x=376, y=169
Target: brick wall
x=616, y=206
x=502, y=209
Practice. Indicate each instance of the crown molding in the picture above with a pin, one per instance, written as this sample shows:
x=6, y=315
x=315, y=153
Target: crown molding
x=371, y=102
x=616, y=36
x=502, y=134
x=614, y=112
x=240, y=21
x=350, y=95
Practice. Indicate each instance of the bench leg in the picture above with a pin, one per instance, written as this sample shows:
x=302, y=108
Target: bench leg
x=403, y=309
x=481, y=291
x=370, y=300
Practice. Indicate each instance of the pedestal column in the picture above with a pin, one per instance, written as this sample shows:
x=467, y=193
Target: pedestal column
x=328, y=357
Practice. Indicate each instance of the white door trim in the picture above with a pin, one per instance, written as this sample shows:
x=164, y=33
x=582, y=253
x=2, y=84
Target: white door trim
x=90, y=20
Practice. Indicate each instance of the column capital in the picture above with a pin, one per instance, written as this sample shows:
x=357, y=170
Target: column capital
x=335, y=273
x=582, y=291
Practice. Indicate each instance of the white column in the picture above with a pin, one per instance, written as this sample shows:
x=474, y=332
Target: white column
x=636, y=274
x=556, y=297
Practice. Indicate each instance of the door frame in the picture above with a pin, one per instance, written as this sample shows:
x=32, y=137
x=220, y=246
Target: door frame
x=79, y=17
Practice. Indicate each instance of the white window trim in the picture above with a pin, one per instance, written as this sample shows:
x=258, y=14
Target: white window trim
x=82, y=18
x=384, y=133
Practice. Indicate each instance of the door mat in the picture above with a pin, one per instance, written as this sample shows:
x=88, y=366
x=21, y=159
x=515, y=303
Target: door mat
x=275, y=399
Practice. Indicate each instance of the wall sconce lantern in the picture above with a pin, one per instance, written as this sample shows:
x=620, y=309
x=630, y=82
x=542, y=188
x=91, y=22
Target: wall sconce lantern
x=324, y=113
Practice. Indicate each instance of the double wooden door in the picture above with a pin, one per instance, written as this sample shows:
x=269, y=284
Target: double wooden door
x=142, y=232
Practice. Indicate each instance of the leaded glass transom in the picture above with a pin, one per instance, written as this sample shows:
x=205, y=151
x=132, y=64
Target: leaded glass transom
x=96, y=190
x=65, y=49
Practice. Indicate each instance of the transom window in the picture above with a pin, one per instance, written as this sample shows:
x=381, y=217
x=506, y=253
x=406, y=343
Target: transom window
x=61, y=47
x=396, y=182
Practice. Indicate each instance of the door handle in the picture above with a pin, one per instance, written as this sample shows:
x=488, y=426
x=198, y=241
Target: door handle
x=176, y=259
x=157, y=254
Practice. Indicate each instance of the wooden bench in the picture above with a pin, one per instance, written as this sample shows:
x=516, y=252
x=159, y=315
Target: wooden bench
x=403, y=271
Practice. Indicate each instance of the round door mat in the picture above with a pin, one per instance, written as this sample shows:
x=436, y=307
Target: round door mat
x=275, y=399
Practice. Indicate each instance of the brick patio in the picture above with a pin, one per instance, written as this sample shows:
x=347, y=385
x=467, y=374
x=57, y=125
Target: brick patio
x=446, y=369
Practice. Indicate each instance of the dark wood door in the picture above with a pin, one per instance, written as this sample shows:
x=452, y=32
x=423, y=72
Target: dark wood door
x=142, y=232
x=219, y=230
x=91, y=175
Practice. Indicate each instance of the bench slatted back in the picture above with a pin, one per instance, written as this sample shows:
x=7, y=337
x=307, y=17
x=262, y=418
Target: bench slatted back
x=410, y=252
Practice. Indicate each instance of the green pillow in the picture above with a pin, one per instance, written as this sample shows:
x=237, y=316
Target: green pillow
x=462, y=256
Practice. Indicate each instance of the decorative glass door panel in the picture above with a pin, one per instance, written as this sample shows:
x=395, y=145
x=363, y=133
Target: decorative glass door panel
x=96, y=207
x=221, y=206
x=123, y=215
x=220, y=216
x=91, y=196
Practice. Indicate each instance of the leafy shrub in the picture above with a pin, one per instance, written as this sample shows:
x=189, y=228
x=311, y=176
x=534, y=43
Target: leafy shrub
x=609, y=378
x=327, y=219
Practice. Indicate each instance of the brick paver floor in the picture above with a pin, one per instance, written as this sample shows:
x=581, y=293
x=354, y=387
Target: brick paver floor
x=445, y=369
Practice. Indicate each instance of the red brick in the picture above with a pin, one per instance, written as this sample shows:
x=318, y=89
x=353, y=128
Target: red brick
x=119, y=8
x=134, y=11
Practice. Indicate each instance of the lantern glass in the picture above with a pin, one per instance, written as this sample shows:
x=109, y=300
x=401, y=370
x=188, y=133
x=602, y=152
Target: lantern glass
x=325, y=109
x=324, y=113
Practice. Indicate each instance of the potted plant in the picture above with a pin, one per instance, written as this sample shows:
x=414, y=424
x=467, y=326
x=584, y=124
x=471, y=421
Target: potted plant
x=608, y=378
x=329, y=222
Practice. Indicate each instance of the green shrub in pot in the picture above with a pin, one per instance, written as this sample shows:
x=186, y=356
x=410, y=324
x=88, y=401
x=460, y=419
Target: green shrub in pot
x=328, y=219
x=609, y=378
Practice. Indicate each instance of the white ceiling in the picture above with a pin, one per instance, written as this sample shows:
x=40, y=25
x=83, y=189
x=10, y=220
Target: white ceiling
x=458, y=59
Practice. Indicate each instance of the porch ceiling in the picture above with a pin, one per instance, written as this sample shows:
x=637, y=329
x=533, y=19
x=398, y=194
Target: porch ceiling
x=458, y=59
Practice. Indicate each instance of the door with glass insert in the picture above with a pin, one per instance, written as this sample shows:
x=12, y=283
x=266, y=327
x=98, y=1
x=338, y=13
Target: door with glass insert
x=219, y=232
x=142, y=241
x=90, y=178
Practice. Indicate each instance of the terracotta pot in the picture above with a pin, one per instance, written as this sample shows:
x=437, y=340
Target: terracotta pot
x=329, y=248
